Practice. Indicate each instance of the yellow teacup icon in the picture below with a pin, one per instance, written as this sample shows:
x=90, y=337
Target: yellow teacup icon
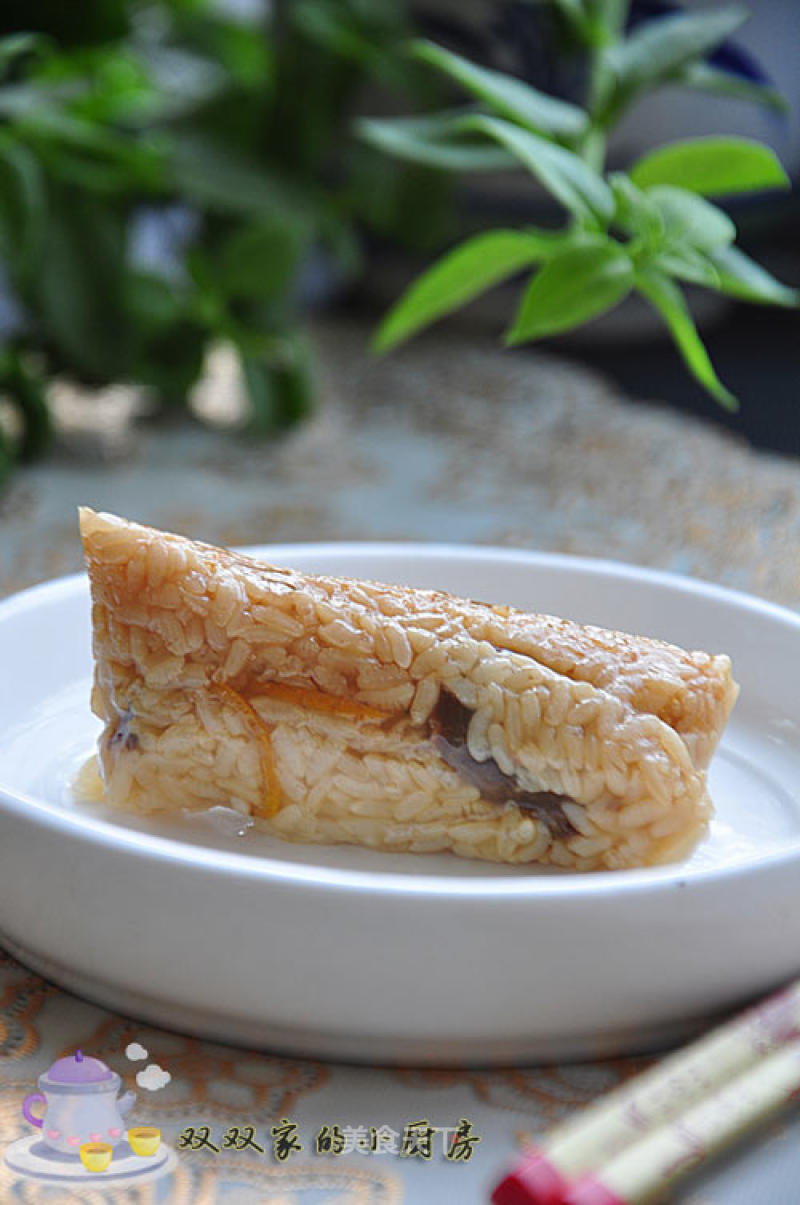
x=144, y=1140
x=96, y=1156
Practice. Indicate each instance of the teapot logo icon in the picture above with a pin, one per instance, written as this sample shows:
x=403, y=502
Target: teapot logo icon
x=79, y=1120
x=79, y=1095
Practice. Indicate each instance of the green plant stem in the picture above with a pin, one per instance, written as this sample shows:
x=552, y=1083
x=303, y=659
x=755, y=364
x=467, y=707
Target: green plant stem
x=593, y=145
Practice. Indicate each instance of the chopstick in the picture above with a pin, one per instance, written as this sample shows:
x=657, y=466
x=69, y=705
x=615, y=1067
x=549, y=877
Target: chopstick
x=633, y=1113
x=645, y=1171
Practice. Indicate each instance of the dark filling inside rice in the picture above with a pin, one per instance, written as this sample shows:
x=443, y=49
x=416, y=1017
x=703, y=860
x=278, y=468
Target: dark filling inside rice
x=122, y=737
x=449, y=723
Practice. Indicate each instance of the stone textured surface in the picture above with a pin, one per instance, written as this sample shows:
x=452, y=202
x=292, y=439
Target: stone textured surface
x=449, y=439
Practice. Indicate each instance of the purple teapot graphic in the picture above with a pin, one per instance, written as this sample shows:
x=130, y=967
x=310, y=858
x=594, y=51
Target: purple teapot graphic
x=81, y=1105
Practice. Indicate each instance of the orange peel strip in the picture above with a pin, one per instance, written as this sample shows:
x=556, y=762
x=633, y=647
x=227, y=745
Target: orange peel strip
x=318, y=700
x=273, y=796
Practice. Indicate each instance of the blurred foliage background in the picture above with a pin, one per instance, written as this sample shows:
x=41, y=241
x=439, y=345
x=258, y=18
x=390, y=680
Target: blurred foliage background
x=175, y=173
x=178, y=176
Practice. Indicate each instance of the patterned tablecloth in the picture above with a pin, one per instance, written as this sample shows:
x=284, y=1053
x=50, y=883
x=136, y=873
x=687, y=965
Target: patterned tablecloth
x=450, y=440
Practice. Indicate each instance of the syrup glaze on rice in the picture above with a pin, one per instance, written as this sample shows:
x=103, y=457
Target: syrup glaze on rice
x=333, y=710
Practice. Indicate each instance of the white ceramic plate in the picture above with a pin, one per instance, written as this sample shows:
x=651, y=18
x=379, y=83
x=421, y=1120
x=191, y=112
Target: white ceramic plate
x=346, y=953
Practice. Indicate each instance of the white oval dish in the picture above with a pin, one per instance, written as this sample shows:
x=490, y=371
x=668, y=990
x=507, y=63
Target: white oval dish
x=347, y=953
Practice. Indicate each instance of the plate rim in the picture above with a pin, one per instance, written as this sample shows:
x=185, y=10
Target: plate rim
x=252, y=866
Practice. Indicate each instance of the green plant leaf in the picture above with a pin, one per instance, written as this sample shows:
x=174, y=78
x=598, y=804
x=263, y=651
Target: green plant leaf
x=80, y=295
x=613, y=14
x=84, y=151
x=690, y=219
x=243, y=49
x=711, y=166
x=742, y=277
x=574, y=286
x=579, y=187
x=279, y=387
x=435, y=141
x=634, y=211
x=262, y=396
x=357, y=32
x=154, y=302
x=6, y=458
x=260, y=260
x=704, y=78
x=207, y=304
x=22, y=384
x=170, y=355
x=507, y=96
x=43, y=119
x=574, y=9
x=658, y=49
x=222, y=180
x=666, y=297
x=29, y=391
x=689, y=264
x=87, y=175
x=17, y=44
x=23, y=206
x=459, y=276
